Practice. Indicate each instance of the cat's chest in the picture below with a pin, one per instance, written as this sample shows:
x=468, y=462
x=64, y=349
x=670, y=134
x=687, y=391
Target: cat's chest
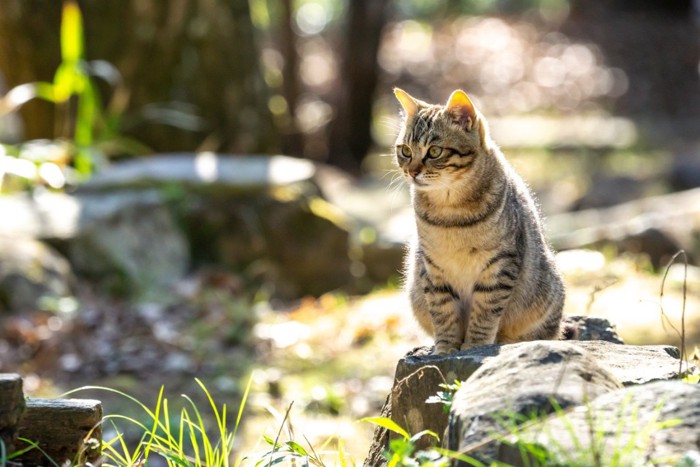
x=459, y=254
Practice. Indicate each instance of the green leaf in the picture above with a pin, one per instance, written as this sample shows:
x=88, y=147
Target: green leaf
x=67, y=81
x=71, y=32
x=271, y=442
x=389, y=424
x=86, y=114
x=296, y=447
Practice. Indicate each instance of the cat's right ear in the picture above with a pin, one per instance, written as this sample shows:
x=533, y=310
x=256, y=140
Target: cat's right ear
x=409, y=104
x=461, y=107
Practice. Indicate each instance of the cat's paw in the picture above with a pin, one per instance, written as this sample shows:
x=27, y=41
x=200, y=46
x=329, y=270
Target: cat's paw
x=444, y=349
x=468, y=346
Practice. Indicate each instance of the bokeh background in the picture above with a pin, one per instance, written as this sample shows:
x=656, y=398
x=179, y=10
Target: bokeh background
x=150, y=234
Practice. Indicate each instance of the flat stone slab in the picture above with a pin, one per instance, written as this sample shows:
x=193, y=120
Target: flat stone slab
x=630, y=364
x=638, y=364
x=204, y=168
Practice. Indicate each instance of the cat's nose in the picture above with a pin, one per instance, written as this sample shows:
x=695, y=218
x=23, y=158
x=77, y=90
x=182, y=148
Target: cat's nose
x=413, y=173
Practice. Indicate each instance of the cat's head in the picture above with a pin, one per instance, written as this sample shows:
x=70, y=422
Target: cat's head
x=439, y=145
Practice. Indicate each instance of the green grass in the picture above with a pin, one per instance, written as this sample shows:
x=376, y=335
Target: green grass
x=184, y=438
x=609, y=441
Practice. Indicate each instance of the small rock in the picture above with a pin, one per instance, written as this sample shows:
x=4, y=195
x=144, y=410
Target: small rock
x=586, y=328
x=609, y=191
x=29, y=272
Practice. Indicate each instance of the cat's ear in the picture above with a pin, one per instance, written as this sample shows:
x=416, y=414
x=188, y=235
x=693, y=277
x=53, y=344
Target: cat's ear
x=462, y=109
x=409, y=104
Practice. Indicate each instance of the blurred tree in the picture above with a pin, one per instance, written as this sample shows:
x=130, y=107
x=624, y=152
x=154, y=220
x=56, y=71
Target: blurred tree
x=188, y=65
x=655, y=45
x=350, y=135
x=22, y=28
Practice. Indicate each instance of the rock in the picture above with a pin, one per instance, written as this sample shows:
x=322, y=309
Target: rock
x=658, y=226
x=203, y=170
x=309, y=252
x=523, y=382
x=380, y=440
x=143, y=223
x=657, y=421
x=126, y=241
x=382, y=219
x=608, y=191
x=419, y=374
x=684, y=173
x=638, y=364
x=44, y=216
x=244, y=213
x=29, y=272
x=129, y=242
x=586, y=328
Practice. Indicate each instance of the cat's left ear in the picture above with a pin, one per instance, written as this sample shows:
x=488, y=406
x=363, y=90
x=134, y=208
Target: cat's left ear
x=409, y=104
x=462, y=109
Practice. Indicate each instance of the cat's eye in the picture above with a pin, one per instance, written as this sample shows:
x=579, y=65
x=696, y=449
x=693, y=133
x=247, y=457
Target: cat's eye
x=434, y=152
x=405, y=151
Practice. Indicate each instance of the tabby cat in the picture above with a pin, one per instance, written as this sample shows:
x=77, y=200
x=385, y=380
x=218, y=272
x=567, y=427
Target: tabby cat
x=479, y=270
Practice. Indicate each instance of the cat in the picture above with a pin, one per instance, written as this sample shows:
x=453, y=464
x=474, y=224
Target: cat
x=479, y=270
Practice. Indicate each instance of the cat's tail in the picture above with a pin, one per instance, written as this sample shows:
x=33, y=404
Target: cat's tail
x=569, y=331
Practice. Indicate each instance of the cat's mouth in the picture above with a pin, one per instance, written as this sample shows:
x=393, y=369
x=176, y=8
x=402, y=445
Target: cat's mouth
x=422, y=182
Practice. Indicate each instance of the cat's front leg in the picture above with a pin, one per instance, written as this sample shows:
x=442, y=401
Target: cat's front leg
x=489, y=304
x=448, y=328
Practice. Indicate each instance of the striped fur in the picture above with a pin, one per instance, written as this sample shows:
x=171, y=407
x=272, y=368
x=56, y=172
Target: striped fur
x=479, y=270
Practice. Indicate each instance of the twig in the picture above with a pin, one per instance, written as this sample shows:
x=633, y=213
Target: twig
x=279, y=432
x=685, y=287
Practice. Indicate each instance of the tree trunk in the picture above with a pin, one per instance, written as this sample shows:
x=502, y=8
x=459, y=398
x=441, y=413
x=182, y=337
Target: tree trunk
x=351, y=137
x=292, y=138
x=30, y=51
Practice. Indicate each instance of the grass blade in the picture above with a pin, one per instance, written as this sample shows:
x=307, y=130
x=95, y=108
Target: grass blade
x=387, y=423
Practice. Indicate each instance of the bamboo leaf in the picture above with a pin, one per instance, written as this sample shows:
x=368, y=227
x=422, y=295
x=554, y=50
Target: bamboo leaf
x=71, y=32
x=296, y=447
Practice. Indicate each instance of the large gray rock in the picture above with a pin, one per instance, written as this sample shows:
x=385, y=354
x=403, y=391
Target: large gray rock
x=45, y=216
x=658, y=226
x=522, y=383
x=658, y=422
x=128, y=241
x=140, y=225
x=518, y=366
x=29, y=272
x=259, y=216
